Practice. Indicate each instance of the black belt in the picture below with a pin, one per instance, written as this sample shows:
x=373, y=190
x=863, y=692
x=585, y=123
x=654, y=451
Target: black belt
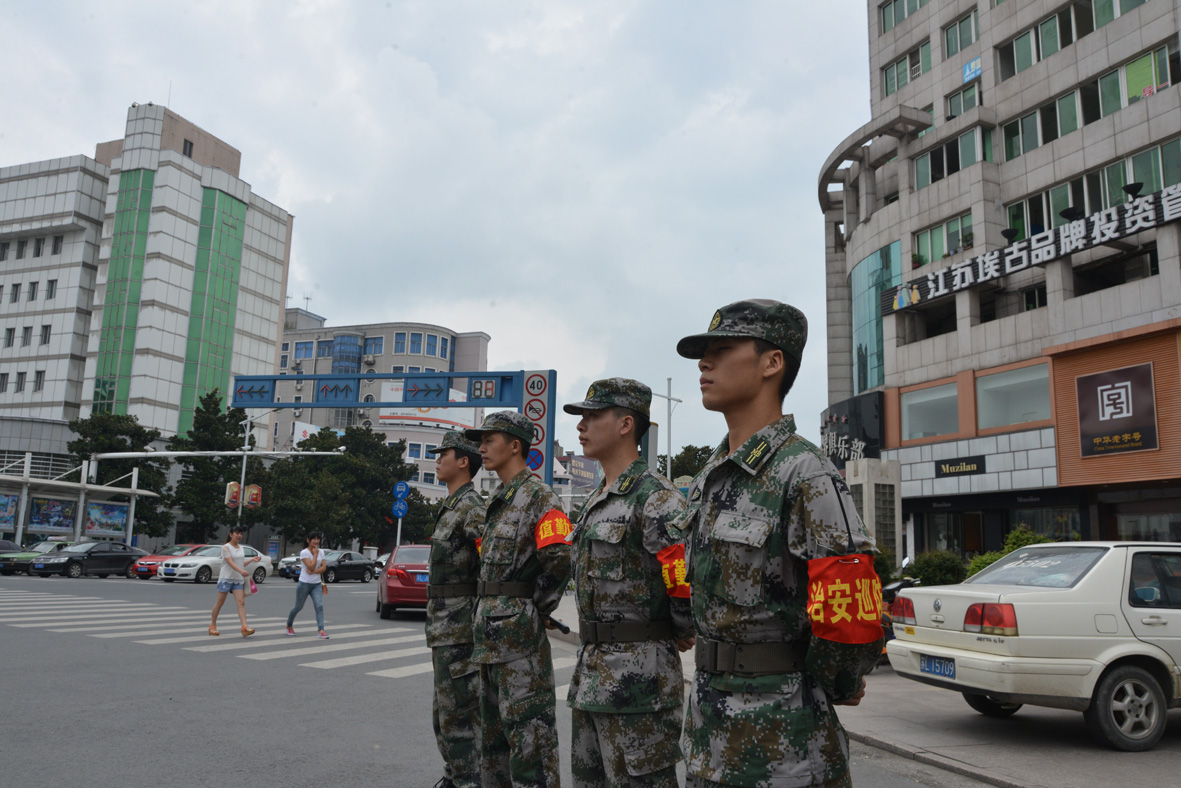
x=494, y=588
x=444, y=590
x=750, y=659
x=623, y=631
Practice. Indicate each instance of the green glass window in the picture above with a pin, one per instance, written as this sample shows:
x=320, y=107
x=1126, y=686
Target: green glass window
x=1146, y=169
x=968, y=149
x=937, y=243
x=1170, y=154
x=969, y=97
x=1116, y=177
x=887, y=17
x=955, y=105
x=1029, y=137
x=1127, y=5
x=967, y=30
x=1109, y=94
x=952, y=229
x=891, y=83
x=867, y=281
x=923, y=246
x=1012, y=140
x=1104, y=12
x=986, y=135
x=1017, y=220
x=922, y=171
x=1162, y=67
x=1059, y=201
x=1067, y=114
x=925, y=57
x=1023, y=51
x=1139, y=77
x=1048, y=31
x=902, y=73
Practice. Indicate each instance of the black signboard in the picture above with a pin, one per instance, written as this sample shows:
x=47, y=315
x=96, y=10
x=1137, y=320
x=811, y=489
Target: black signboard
x=1116, y=411
x=961, y=466
x=852, y=429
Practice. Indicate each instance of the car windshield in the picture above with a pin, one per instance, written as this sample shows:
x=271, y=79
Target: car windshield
x=175, y=549
x=1047, y=567
x=82, y=547
x=212, y=549
x=44, y=547
x=413, y=555
x=333, y=555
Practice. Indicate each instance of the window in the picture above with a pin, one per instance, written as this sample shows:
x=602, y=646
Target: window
x=20, y=383
x=3, y=251
x=1033, y=297
x=429, y=369
x=930, y=411
x=1156, y=577
x=1042, y=40
x=38, y=246
x=1046, y=124
x=961, y=101
x=916, y=63
x=414, y=451
x=3, y=382
x=303, y=350
x=892, y=13
x=57, y=243
x=431, y=447
x=298, y=398
x=342, y=417
x=16, y=293
x=45, y=330
x=324, y=348
x=26, y=336
x=416, y=344
x=286, y=347
x=432, y=345
x=1, y=292
x=374, y=345
x=400, y=342
x=413, y=369
x=33, y=291
x=9, y=336
x=397, y=370
x=944, y=239
x=20, y=249
x=39, y=380
x=442, y=347
x=188, y=148
x=959, y=35
x=970, y=147
x=283, y=361
x=428, y=477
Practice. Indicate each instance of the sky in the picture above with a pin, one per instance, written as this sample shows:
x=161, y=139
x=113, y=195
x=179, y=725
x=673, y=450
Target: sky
x=584, y=182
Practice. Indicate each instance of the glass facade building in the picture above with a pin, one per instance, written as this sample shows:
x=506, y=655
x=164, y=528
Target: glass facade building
x=873, y=275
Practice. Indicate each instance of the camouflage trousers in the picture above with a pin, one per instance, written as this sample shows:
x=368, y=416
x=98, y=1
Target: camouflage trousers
x=767, y=732
x=626, y=750
x=518, y=722
x=455, y=713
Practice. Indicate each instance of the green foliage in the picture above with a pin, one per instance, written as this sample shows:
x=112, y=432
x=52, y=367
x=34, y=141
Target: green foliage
x=1021, y=536
x=200, y=496
x=687, y=462
x=111, y=432
x=883, y=564
x=937, y=568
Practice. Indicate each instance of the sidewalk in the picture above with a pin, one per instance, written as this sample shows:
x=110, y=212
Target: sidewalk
x=1036, y=748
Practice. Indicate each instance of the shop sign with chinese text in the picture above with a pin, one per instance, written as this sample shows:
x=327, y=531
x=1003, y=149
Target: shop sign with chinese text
x=1116, y=411
x=852, y=429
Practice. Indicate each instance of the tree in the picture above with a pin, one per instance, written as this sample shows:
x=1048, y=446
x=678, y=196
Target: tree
x=687, y=462
x=200, y=495
x=112, y=432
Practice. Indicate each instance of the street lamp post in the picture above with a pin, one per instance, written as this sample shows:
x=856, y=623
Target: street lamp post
x=249, y=425
x=670, y=399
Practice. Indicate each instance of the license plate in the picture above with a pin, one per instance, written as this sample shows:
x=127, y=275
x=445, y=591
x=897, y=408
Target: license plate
x=942, y=667
x=170, y=571
x=421, y=578
x=141, y=569
x=38, y=566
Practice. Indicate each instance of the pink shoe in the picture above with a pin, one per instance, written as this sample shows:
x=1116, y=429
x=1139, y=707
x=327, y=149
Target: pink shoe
x=290, y=632
x=323, y=635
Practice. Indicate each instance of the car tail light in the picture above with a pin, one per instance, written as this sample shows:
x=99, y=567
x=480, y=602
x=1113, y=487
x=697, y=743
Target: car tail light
x=991, y=619
x=903, y=610
x=401, y=575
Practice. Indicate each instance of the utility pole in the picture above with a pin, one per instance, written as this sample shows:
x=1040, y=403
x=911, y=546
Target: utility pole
x=669, y=429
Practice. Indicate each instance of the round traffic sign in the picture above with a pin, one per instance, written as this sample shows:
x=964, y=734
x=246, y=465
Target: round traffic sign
x=401, y=507
x=538, y=433
x=536, y=384
x=536, y=458
x=401, y=490
x=535, y=409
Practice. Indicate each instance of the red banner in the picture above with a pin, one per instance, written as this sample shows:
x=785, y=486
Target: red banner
x=845, y=599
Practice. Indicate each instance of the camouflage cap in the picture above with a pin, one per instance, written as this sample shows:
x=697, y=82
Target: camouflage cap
x=782, y=325
x=507, y=421
x=614, y=393
x=455, y=440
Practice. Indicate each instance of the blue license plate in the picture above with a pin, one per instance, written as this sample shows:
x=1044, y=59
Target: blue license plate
x=38, y=566
x=422, y=578
x=170, y=571
x=943, y=667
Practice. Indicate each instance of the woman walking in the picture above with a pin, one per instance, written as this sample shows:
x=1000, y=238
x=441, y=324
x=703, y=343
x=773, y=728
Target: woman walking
x=233, y=579
x=311, y=570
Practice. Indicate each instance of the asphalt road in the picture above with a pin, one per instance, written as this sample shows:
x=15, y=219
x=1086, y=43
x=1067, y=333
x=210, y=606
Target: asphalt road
x=115, y=682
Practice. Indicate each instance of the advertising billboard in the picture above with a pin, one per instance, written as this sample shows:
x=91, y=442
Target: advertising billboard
x=8, y=509
x=447, y=418
x=106, y=519
x=1117, y=411
x=52, y=515
x=584, y=474
x=301, y=430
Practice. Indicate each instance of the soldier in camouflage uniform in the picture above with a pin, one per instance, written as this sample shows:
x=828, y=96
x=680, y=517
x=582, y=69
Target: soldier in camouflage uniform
x=633, y=603
x=451, y=595
x=764, y=513
x=524, y=569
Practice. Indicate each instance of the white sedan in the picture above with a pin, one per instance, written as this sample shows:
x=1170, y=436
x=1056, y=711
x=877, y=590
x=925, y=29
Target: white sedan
x=1089, y=626
x=204, y=565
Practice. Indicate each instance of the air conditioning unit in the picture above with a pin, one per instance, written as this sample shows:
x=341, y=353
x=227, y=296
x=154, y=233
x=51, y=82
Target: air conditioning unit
x=362, y=413
x=297, y=412
x=916, y=71
x=299, y=385
x=370, y=360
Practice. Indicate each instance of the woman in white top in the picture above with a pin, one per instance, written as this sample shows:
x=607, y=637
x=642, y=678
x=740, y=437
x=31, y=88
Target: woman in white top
x=233, y=579
x=312, y=566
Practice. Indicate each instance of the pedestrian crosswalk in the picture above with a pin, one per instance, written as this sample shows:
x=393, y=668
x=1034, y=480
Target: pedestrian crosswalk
x=381, y=651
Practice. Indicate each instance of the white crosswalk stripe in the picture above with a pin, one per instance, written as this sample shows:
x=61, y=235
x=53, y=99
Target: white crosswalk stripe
x=361, y=659
x=247, y=644
x=299, y=652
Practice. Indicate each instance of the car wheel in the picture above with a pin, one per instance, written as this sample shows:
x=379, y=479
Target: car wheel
x=203, y=575
x=990, y=707
x=168, y=579
x=330, y=576
x=260, y=576
x=1127, y=711
x=74, y=569
x=387, y=611
x=29, y=570
x=130, y=572
x=367, y=575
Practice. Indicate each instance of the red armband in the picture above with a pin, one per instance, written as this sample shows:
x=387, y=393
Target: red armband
x=553, y=528
x=672, y=568
x=479, y=544
x=845, y=599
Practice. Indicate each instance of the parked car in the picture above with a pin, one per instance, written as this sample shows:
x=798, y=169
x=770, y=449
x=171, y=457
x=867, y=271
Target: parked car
x=1088, y=626
x=12, y=563
x=204, y=564
x=347, y=565
x=380, y=562
x=147, y=566
x=88, y=558
x=9, y=546
x=289, y=567
x=404, y=581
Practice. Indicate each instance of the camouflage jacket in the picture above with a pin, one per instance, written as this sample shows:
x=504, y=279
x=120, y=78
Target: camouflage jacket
x=618, y=577
x=521, y=514
x=756, y=517
x=454, y=559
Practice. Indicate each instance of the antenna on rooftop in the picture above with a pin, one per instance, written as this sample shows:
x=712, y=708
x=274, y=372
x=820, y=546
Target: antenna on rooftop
x=289, y=299
x=307, y=299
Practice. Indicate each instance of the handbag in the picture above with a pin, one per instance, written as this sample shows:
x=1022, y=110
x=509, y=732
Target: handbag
x=253, y=586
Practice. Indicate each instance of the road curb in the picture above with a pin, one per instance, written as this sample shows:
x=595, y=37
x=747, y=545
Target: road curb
x=932, y=759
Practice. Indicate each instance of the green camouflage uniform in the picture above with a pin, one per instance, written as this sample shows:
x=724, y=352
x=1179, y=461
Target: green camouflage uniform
x=626, y=693
x=456, y=561
x=756, y=517
x=517, y=715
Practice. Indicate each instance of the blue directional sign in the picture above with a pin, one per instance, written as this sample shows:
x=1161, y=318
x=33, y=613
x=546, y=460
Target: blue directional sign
x=401, y=507
x=424, y=390
x=342, y=392
x=257, y=392
x=401, y=490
